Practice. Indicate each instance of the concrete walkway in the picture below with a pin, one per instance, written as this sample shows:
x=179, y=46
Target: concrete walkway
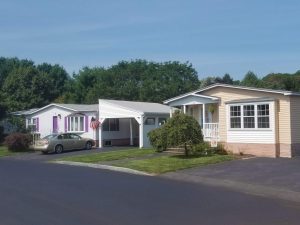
x=275, y=178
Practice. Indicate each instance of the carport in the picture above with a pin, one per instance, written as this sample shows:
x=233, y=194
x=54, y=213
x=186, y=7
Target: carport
x=147, y=115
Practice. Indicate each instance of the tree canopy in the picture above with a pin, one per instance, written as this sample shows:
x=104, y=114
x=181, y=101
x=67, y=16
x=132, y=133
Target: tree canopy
x=26, y=85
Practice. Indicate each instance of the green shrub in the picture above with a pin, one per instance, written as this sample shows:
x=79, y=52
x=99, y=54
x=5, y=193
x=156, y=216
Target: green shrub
x=18, y=142
x=158, y=138
x=202, y=149
x=180, y=130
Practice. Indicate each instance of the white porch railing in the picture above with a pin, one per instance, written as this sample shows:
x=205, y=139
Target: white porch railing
x=211, y=131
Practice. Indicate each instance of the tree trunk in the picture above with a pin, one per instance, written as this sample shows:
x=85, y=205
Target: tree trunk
x=186, y=151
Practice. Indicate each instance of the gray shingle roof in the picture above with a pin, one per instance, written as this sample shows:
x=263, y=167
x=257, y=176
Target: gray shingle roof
x=80, y=107
x=24, y=112
x=143, y=107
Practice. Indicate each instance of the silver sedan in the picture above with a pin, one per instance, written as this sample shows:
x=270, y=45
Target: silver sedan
x=62, y=142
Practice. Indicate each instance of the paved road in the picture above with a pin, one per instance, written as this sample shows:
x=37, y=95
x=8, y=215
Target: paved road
x=38, y=193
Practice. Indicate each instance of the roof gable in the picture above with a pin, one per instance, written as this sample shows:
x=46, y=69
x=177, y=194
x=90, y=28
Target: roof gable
x=283, y=92
x=71, y=107
x=199, y=91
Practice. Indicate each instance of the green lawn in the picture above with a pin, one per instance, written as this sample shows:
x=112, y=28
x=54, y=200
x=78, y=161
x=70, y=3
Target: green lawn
x=110, y=156
x=4, y=151
x=165, y=164
x=155, y=165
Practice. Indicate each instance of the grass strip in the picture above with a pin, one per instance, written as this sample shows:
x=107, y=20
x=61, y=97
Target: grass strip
x=110, y=156
x=4, y=151
x=165, y=164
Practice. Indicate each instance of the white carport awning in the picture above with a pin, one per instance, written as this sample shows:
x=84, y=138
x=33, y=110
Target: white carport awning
x=130, y=110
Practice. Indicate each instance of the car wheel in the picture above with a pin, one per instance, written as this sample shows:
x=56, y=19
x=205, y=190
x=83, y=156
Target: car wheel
x=88, y=145
x=59, y=149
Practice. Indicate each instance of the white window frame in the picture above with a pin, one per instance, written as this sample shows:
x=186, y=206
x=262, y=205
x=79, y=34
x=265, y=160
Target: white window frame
x=255, y=116
x=71, y=124
x=31, y=122
x=152, y=119
x=241, y=115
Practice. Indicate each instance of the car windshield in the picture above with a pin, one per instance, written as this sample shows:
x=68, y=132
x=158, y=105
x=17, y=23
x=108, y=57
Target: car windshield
x=48, y=137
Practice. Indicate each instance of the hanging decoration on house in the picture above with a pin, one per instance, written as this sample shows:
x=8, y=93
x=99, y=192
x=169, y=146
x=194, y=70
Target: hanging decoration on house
x=94, y=123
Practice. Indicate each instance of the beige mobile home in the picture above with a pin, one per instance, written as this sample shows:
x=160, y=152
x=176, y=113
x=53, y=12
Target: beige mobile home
x=262, y=122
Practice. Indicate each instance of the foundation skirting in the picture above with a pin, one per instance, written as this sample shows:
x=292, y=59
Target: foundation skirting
x=264, y=150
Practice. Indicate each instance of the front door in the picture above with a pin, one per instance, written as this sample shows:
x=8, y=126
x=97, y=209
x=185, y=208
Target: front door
x=55, y=125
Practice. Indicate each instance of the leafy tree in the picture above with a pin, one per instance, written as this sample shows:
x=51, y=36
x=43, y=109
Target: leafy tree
x=135, y=80
x=57, y=76
x=8, y=64
x=251, y=80
x=26, y=87
x=208, y=81
x=283, y=81
x=227, y=79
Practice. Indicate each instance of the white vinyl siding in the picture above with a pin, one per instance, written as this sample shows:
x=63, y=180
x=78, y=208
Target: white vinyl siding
x=253, y=132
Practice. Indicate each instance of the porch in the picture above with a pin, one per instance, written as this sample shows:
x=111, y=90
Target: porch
x=204, y=109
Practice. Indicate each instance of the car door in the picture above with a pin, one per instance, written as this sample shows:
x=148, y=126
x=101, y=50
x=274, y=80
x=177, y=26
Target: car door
x=67, y=142
x=76, y=141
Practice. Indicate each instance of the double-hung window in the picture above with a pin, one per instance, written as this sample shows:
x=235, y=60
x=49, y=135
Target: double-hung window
x=250, y=116
x=76, y=123
x=263, y=116
x=235, y=116
x=32, y=124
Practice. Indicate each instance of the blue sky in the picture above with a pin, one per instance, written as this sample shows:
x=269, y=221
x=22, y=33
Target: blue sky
x=216, y=36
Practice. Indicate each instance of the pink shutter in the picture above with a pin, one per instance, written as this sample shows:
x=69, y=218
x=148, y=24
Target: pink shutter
x=86, y=123
x=66, y=124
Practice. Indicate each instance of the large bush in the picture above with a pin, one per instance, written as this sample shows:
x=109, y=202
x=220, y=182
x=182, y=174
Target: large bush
x=180, y=130
x=158, y=138
x=18, y=142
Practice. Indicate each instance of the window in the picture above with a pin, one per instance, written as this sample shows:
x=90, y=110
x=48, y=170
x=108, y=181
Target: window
x=75, y=136
x=249, y=117
x=263, y=116
x=235, y=116
x=32, y=124
x=150, y=121
x=246, y=116
x=76, y=123
x=162, y=121
x=111, y=125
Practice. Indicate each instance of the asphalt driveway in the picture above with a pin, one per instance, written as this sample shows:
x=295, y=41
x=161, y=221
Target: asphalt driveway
x=278, y=177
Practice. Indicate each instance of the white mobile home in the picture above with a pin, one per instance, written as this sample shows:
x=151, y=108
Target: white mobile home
x=120, y=122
